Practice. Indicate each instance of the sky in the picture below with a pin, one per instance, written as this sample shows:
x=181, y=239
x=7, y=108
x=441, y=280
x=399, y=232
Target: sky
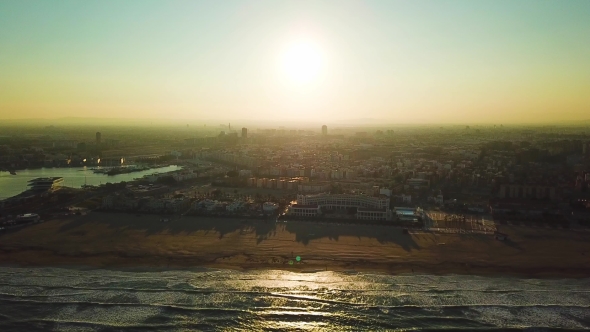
x=443, y=61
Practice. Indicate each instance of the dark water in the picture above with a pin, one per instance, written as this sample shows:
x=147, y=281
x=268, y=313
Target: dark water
x=47, y=299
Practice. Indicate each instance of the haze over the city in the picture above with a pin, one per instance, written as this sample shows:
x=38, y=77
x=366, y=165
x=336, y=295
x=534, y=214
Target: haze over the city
x=307, y=61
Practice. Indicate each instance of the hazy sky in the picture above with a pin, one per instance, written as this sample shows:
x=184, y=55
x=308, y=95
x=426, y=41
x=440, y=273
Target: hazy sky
x=325, y=61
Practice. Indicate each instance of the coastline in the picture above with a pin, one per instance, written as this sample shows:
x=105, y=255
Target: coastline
x=177, y=264
x=126, y=242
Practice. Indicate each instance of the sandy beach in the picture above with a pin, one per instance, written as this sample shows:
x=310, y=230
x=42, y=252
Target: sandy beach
x=111, y=240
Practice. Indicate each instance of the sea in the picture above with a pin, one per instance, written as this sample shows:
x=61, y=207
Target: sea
x=58, y=299
x=75, y=177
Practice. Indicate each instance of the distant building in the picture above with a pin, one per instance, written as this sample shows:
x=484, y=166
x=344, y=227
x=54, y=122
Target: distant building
x=527, y=191
x=405, y=198
x=438, y=199
x=98, y=137
x=417, y=183
x=314, y=187
x=385, y=191
x=324, y=130
x=244, y=133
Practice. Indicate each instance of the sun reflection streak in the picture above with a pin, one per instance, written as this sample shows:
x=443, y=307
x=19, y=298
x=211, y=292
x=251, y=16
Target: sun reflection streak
x=289, y=305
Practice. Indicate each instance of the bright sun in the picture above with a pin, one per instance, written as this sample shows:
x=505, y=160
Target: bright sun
x=302, y=62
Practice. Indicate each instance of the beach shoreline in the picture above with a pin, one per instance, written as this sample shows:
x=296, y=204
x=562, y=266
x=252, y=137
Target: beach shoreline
x=134, y=265
x=126, y=242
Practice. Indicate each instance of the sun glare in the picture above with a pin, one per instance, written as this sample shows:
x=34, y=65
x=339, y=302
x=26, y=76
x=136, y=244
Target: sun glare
x=301, y=62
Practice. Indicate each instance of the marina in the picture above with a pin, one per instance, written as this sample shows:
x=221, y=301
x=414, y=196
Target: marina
x=75, y=177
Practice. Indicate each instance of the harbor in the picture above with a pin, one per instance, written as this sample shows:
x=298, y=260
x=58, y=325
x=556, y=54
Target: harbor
x=74, y=177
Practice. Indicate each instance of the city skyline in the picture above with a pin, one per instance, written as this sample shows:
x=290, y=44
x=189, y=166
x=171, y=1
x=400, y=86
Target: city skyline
x=320, y=62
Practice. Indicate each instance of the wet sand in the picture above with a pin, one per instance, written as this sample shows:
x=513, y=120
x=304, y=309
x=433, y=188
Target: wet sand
x=125, y=241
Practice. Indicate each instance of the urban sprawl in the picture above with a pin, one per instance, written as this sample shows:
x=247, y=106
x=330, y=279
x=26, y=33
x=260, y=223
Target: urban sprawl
x=449, y=178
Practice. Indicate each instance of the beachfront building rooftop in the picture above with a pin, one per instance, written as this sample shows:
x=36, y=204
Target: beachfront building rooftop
x=368, y=208
x=343, y=201
x=301, y=210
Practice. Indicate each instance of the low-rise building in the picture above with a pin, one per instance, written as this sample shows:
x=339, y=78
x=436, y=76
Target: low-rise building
x=527, y=191
x=207, y=204
x=301, y=210
x=235, y=206
x=153, y=205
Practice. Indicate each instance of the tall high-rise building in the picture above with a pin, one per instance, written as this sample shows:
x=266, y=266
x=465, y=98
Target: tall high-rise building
x=98, y=137
x=324, y=130
x=244, y=133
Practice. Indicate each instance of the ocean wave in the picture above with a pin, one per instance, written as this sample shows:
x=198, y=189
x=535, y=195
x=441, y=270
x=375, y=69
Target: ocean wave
x=62, y=299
